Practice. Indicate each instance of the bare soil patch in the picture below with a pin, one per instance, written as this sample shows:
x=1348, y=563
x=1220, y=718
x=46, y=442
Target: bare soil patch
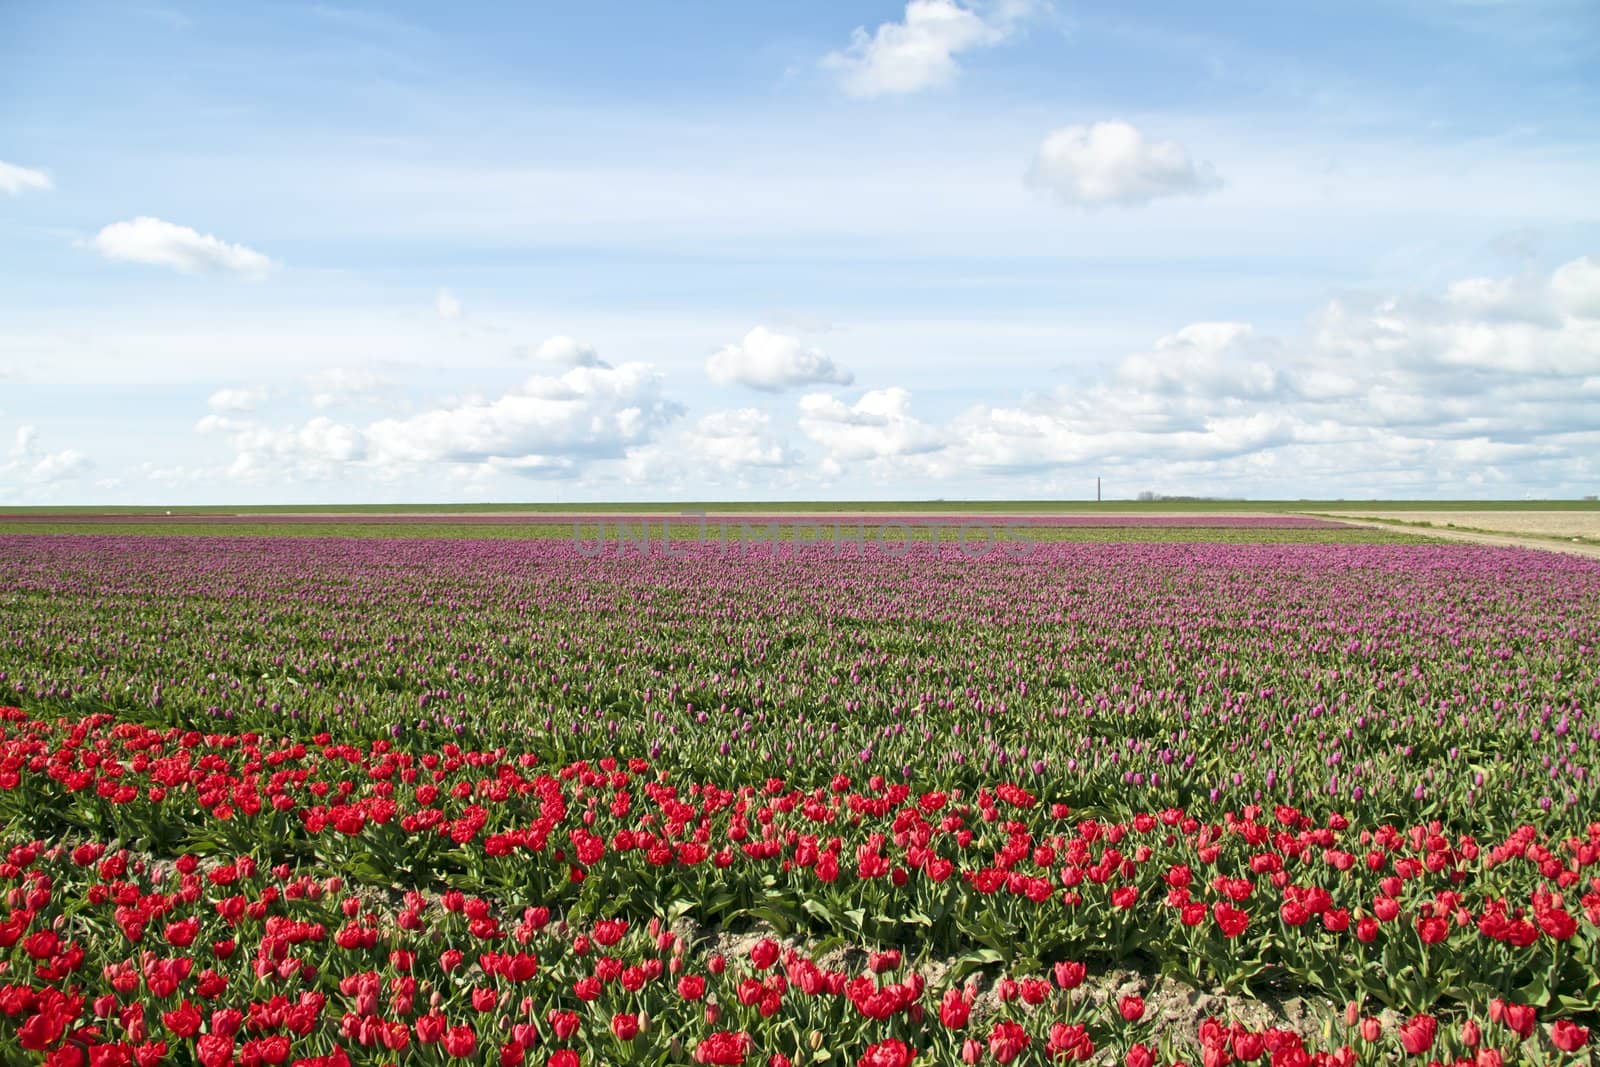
x=1574, y=532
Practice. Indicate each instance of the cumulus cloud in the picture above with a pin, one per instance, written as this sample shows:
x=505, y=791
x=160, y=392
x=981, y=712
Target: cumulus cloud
x=15, y=180
x=1490, y=383
x=563, y=352
x=723, y=447
x=772, y=362
x=587, y=411
x=920, y=51
x=236, y=400
x=1208, y=358
x=329, y=387
x=553, y=423
x=877, y=426
x=1486, y=382
x=1111, y=163
x=447, y=305
x=24, y=441
x=165, y=244
x=211, y=424
x=28, y=465
x=317, y=450
x=1453, y=386
x=55, y=467
x=1576, y=287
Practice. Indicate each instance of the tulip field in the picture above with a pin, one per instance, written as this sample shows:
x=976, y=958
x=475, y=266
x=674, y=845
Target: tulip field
x=1225, y=791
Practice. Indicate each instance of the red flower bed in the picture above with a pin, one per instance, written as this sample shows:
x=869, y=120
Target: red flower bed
x=541, y=918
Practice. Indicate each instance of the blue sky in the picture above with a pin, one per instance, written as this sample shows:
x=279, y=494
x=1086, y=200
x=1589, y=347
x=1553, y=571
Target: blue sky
x=947, y=248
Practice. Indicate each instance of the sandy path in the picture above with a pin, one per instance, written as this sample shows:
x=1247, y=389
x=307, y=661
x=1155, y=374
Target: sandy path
x=1500, y=540
x=1577, y=522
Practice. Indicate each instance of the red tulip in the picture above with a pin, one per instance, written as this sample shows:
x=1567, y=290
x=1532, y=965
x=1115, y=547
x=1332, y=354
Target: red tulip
x=764, y=953
x=1568, y=1036
x=1007, y=1040
x=1069, y=974
x=1417, y=1034
x=891, y=1053
x=460, y=1041
x=1230, y=920
x=725, y=1048
x=955, y=1009
x=214, y=1050
x=1519, y=1018
x=1433, y=930
x=1069, y=1042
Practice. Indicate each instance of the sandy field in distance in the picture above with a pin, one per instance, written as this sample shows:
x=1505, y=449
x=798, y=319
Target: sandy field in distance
x=1584, y=524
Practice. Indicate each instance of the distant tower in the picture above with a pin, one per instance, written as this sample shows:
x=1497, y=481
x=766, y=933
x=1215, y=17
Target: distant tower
x=1097, y=489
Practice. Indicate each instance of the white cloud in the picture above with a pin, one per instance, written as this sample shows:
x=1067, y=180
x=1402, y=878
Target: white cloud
x=1453, y=388
x=15, y=180
x=740, y=438
x=177, y=475
x=1213, y=358
x=551, y=425
x=1112, y=163
x=1487, y=381
x=236, y=400
x=564, y=352
x=1488, y=386
x=723, y=447
x=24, y=441
x=877, y=426
x=57, y=467
x=335, y=384
x=447, y=305
x=1577, y=288
x=772, y=362
x=920, y=51
x=164, y=244
x=320, y=449
x=209, y=424
x=586, y=412
x=26, y=465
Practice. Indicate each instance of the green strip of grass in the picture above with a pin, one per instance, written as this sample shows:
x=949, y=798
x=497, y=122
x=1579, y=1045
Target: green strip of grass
x=589, y=532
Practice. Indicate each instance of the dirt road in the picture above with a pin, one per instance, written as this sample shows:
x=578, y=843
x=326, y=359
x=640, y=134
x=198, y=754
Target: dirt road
x=1519, y=529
